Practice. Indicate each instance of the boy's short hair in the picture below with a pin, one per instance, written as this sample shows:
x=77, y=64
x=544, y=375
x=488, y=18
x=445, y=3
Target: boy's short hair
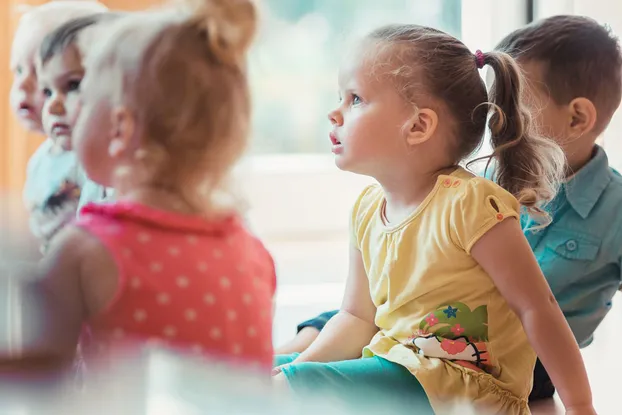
x=582, y=59
x=63, y=36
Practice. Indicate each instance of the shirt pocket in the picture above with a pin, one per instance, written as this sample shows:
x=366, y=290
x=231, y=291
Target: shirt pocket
x=574, y=246
x=568, y=256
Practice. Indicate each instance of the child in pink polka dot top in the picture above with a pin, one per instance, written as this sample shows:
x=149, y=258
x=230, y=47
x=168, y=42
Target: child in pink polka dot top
x=164, y=117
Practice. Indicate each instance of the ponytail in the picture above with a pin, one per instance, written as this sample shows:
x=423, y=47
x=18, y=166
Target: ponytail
x=229, y=26
x=529, y=166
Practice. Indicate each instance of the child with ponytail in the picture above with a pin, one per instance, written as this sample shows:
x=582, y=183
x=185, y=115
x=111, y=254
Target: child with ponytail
x=164, y=117
x=444, y=295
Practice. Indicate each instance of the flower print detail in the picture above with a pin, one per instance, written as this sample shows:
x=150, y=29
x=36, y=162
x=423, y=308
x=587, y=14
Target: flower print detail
x=457, y=330
x=446, y=316
x=450, y=312
x=453, y=347
x=457, y=333
x=431, y=320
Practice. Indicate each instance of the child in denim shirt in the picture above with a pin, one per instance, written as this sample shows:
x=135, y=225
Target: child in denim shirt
x=574, y=68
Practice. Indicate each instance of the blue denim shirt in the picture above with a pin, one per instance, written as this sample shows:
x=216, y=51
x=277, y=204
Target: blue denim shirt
x=580, y=252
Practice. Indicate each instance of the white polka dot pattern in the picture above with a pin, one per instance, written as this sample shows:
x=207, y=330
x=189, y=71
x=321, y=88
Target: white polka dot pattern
x=140, y=315
x=183, y=281
x=144, y=237
x=251, y=332
x=163, y=298
x=209, y=299
x=170, y=331
x=225, y=283
x=215, y=333
x=191, y=315
x=232, y=315
x=190, y=283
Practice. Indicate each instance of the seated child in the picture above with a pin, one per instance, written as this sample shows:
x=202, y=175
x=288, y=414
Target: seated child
x=165, y=115
x=573, y=67
x=54, y=180
x=444, y=294
x=61, y=58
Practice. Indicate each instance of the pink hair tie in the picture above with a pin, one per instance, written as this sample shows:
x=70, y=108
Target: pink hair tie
x=479, y=59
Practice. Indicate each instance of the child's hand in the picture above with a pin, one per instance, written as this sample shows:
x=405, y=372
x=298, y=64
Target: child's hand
x=277, y=370
x=581, y=410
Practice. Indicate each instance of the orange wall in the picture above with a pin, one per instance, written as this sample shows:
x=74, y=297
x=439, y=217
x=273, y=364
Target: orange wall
x=16, y=145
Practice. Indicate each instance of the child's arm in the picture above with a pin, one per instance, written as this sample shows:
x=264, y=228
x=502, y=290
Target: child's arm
x=352, y=328
x=53, y=302
x=505, y=255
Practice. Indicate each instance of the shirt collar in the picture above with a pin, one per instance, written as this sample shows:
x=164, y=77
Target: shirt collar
x=585, y=188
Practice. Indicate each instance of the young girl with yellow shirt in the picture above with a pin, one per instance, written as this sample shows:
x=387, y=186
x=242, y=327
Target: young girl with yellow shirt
x=444, y=294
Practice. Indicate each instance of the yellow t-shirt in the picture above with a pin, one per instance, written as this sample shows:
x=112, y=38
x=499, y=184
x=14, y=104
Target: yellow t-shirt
x=440, y=315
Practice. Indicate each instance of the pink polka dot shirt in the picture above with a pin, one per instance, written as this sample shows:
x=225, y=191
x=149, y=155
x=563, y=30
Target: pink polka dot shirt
x=203, y=286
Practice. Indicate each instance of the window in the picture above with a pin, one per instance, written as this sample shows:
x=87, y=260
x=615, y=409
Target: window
x=295, y=63
x=296, y=192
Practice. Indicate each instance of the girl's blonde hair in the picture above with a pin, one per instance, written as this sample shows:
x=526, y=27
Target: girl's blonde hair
x=427, y=62
x=182, y=73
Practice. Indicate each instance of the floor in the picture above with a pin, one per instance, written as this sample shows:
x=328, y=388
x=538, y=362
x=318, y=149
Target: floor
x=311, y=280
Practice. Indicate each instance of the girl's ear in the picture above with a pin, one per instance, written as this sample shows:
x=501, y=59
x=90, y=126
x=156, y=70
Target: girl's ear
x=420, y=127
x=123, y=128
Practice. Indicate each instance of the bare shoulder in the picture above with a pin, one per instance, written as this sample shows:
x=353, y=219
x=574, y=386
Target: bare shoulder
x=79, y=263
x=99, y=277
x=69, y=248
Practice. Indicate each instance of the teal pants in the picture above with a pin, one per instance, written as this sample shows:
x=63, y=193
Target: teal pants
x=362, y=383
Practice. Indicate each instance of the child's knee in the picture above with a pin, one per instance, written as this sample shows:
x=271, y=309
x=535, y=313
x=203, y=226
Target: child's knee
x=283, y=359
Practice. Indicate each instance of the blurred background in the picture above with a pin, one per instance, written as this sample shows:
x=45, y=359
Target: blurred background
x=299, y=200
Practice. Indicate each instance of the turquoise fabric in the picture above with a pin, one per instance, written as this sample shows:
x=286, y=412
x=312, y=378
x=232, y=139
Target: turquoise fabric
x=580, y=253
x=360, y=383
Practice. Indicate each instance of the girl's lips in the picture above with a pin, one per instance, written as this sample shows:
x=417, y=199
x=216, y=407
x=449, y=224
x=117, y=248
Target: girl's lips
x=334, y=139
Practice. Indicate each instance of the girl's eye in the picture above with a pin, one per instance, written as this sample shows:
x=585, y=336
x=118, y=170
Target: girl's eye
x=47, y=92
x=356, y=99
x=19, y=70
x=73, y=85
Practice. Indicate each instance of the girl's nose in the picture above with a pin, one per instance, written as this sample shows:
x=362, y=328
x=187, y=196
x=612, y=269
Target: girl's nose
x=335, y=117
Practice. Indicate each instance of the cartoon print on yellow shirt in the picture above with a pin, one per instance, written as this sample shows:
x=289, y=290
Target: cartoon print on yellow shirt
x=456, y=333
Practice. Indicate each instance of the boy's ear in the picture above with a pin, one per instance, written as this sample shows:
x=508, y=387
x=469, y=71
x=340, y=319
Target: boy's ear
x=583, y=116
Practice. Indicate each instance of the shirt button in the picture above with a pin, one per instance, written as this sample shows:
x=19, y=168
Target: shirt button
x=571, y=245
